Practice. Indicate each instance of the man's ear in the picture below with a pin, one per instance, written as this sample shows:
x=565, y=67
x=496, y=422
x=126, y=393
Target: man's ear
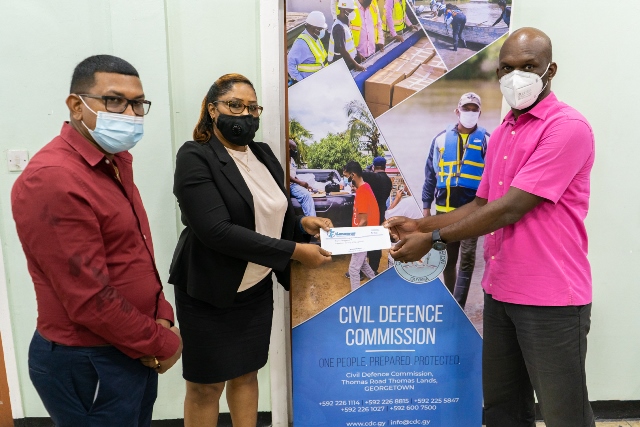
x=75, y=106
x=553, y=70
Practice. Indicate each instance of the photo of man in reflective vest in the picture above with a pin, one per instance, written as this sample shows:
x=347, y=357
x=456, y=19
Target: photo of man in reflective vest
x=308, y=55
x=451, y=176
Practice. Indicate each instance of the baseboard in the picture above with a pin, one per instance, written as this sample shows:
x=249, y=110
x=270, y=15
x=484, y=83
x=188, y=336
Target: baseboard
x=603, y=410
x=224, y=420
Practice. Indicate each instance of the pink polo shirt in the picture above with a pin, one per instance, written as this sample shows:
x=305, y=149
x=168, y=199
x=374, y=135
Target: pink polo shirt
x=541, y=259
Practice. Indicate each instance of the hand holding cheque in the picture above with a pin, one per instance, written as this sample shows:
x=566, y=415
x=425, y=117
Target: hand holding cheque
x=311, y=255
x=350, y=240
x=413, y=244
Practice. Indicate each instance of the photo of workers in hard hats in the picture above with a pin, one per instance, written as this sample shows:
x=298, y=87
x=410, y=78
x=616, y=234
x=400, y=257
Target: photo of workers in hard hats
x=439, y=138
x=343, y=163
x=380, y=41
x=460, y=29
x=366, y=34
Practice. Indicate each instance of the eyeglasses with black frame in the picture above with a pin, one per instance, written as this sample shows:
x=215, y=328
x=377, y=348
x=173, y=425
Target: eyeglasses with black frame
x=237, y=107
x=119, y=104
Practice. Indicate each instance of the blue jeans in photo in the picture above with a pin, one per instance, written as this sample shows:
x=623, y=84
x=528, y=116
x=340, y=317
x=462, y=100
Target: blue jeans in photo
x=457, y=27
x=303, y=197
x=91, y=386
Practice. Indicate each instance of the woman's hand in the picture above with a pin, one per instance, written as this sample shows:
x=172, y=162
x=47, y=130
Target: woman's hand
x=310, y=255
x=313, y=224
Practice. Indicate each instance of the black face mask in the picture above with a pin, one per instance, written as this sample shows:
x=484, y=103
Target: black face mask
x=238, y=130
x=294, y=153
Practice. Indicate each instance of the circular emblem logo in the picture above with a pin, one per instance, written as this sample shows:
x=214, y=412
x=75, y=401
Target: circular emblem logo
x=425, y=270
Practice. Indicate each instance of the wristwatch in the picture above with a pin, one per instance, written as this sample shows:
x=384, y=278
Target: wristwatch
x=438, y=243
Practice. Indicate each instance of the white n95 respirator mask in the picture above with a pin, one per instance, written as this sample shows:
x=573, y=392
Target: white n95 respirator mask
x=469, y=119
x=521, y=88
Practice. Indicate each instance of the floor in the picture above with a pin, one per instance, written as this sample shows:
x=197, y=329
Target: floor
x=620, y=423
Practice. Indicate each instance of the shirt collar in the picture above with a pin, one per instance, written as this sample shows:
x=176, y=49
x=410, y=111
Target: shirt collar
x=540, y=111
x=85, y=148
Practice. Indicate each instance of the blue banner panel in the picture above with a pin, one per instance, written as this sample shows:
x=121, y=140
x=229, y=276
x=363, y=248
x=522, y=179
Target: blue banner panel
x=391, y=353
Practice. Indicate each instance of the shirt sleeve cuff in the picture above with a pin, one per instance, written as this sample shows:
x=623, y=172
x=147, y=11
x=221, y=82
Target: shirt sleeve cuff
x=170, y=345
x=304, y=232
x=165, y=311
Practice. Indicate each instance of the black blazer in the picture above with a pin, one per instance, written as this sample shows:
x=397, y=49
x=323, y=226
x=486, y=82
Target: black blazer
x=220, y=239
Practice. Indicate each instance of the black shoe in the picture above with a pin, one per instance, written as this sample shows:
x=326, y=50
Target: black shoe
x=348, y=276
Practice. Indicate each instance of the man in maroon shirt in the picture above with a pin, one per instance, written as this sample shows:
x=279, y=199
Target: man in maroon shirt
x=104, y=328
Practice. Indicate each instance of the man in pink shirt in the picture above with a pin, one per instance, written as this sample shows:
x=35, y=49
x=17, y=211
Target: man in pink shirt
x=531, y=205
x=370, y=26
x=396, y=7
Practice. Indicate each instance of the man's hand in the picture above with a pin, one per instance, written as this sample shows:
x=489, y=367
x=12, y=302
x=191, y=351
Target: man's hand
x=164, y=322
x=412, y=247
x=359, y=67
x=379, y=47
x=152, y=362
x=304, y=184
x=165, y=365
x=426, y=212
x=313, y=224
x=401, y=226
x=399, y=38
x=149, y=361
x=415, y=27
x=310, y=255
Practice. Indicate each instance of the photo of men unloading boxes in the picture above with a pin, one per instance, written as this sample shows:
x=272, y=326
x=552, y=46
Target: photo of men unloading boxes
x=415, y=69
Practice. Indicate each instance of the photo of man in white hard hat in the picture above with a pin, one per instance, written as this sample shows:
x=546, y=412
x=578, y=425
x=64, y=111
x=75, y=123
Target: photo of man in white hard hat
x=308, y=55
x=341, y=44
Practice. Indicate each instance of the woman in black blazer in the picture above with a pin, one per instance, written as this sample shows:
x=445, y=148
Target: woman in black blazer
x=239, y=227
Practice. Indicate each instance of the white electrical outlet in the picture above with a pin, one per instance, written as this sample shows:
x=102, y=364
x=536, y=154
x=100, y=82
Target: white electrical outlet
x=17, y=160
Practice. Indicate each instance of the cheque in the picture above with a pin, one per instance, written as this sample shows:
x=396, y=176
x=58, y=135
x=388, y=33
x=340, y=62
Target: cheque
x=349, y=240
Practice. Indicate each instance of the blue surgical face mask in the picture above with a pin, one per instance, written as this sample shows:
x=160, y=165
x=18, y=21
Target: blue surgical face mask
x=322, y=33
x=114, y=132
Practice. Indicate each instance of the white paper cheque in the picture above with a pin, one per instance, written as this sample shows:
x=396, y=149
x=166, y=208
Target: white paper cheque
x=350, y=240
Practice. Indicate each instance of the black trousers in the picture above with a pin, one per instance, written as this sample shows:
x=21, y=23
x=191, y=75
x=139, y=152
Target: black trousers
x=529, y=348
x=374, y=259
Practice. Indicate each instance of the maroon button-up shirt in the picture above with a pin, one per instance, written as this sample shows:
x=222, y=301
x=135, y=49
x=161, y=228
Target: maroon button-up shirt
x=88, y=246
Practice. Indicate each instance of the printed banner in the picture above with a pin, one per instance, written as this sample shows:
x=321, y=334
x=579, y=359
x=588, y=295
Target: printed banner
x=389, y=353
x=369, y=347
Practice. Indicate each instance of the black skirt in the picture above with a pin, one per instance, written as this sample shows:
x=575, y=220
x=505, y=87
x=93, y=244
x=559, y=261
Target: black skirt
x=220, y=344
